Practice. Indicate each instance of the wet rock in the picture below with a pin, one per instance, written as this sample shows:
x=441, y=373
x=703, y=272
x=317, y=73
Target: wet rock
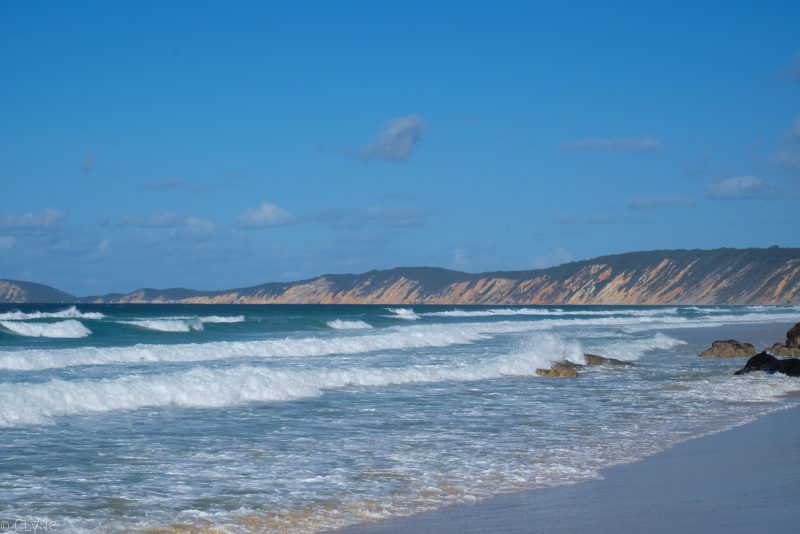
x=559, y=370
x=779, y=349
x=770, y=364
x=594, y=359
x=729, y=348
x=793, y=337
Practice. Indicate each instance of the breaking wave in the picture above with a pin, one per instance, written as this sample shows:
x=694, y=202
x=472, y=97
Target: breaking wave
x=22, y=404
x=61, y=329
x=339, y=324
x=397, y=338
x=546, y=312
x=403, y=313
x=167, y=325
x=70, y=313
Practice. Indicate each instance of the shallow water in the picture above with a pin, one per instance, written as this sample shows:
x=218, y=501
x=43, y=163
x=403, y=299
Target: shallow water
x=312, y=417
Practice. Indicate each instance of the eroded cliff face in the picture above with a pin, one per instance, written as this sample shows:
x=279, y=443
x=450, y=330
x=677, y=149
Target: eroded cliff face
x=722, y=276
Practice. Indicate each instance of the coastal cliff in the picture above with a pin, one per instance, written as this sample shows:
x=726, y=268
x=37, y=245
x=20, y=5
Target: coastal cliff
x=720, y=276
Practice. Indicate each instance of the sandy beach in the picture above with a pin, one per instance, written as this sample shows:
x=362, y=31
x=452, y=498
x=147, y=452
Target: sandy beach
x=746, y=479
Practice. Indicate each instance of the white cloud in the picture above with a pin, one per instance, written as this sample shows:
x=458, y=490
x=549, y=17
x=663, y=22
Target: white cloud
x=31, y=222
x=264, y=216
x=738, y=187
x=614, y=144
x=645, y=203
x=396, y=140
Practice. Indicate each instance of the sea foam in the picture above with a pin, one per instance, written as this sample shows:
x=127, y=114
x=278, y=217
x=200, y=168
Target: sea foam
x=22, y=404
x=61, y=329
x=417, y=336
x=340, y=324
x=70, y=313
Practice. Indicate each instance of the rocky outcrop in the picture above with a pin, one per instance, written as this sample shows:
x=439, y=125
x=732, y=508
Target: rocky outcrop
x=594, y=359
x=793, y=337
x=559, y=370
x=780, y=349
x=729, y=348
x=770, y=364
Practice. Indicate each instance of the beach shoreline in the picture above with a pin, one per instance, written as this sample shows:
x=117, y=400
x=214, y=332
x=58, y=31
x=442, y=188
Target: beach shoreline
x=743, y=479
x=701, y=484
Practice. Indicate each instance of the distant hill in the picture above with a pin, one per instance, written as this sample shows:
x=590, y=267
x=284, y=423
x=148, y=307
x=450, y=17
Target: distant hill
x=20, y=292
x=720, y=276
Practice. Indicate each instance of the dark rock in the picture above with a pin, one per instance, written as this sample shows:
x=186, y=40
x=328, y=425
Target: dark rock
x=779, y=349
x=729, y=348
x=594, y=359
x=559, y=370
x=793, y=337
x=770, y=364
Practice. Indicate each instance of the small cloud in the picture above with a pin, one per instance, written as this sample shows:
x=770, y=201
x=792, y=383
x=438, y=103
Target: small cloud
x=614, y=144
x=738, y=187
x=104, y=244
x=178, y=224
x=166, y=219
x=396, y=140
x=646, y=203
x=31, y=221
x=264, y=216
x=386, y=216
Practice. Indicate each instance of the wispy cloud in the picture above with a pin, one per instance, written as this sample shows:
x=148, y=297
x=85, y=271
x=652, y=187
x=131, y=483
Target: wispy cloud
x=395, y=141
x=264, y=216
x=619, y=144
x=178, y=223
x=646, y=203
x=737, y=187
x=385, y=216
x=31, y=221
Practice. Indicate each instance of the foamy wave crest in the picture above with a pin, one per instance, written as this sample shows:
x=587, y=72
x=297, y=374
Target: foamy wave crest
x=220, y=319
x=339, y=324
x=633, y=349
x=62, y=329
x=418, y=336
x=547, y=312
x=22, y=404
x=404, y=313
x=167, y=325
x=70, y=313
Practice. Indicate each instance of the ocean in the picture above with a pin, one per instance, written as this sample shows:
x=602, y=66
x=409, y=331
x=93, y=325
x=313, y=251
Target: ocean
x=120, y=418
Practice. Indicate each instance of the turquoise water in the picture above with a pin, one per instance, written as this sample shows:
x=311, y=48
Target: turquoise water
x=245, y=418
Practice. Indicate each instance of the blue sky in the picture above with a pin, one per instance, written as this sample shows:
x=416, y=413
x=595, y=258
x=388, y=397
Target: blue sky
x=224, y=144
